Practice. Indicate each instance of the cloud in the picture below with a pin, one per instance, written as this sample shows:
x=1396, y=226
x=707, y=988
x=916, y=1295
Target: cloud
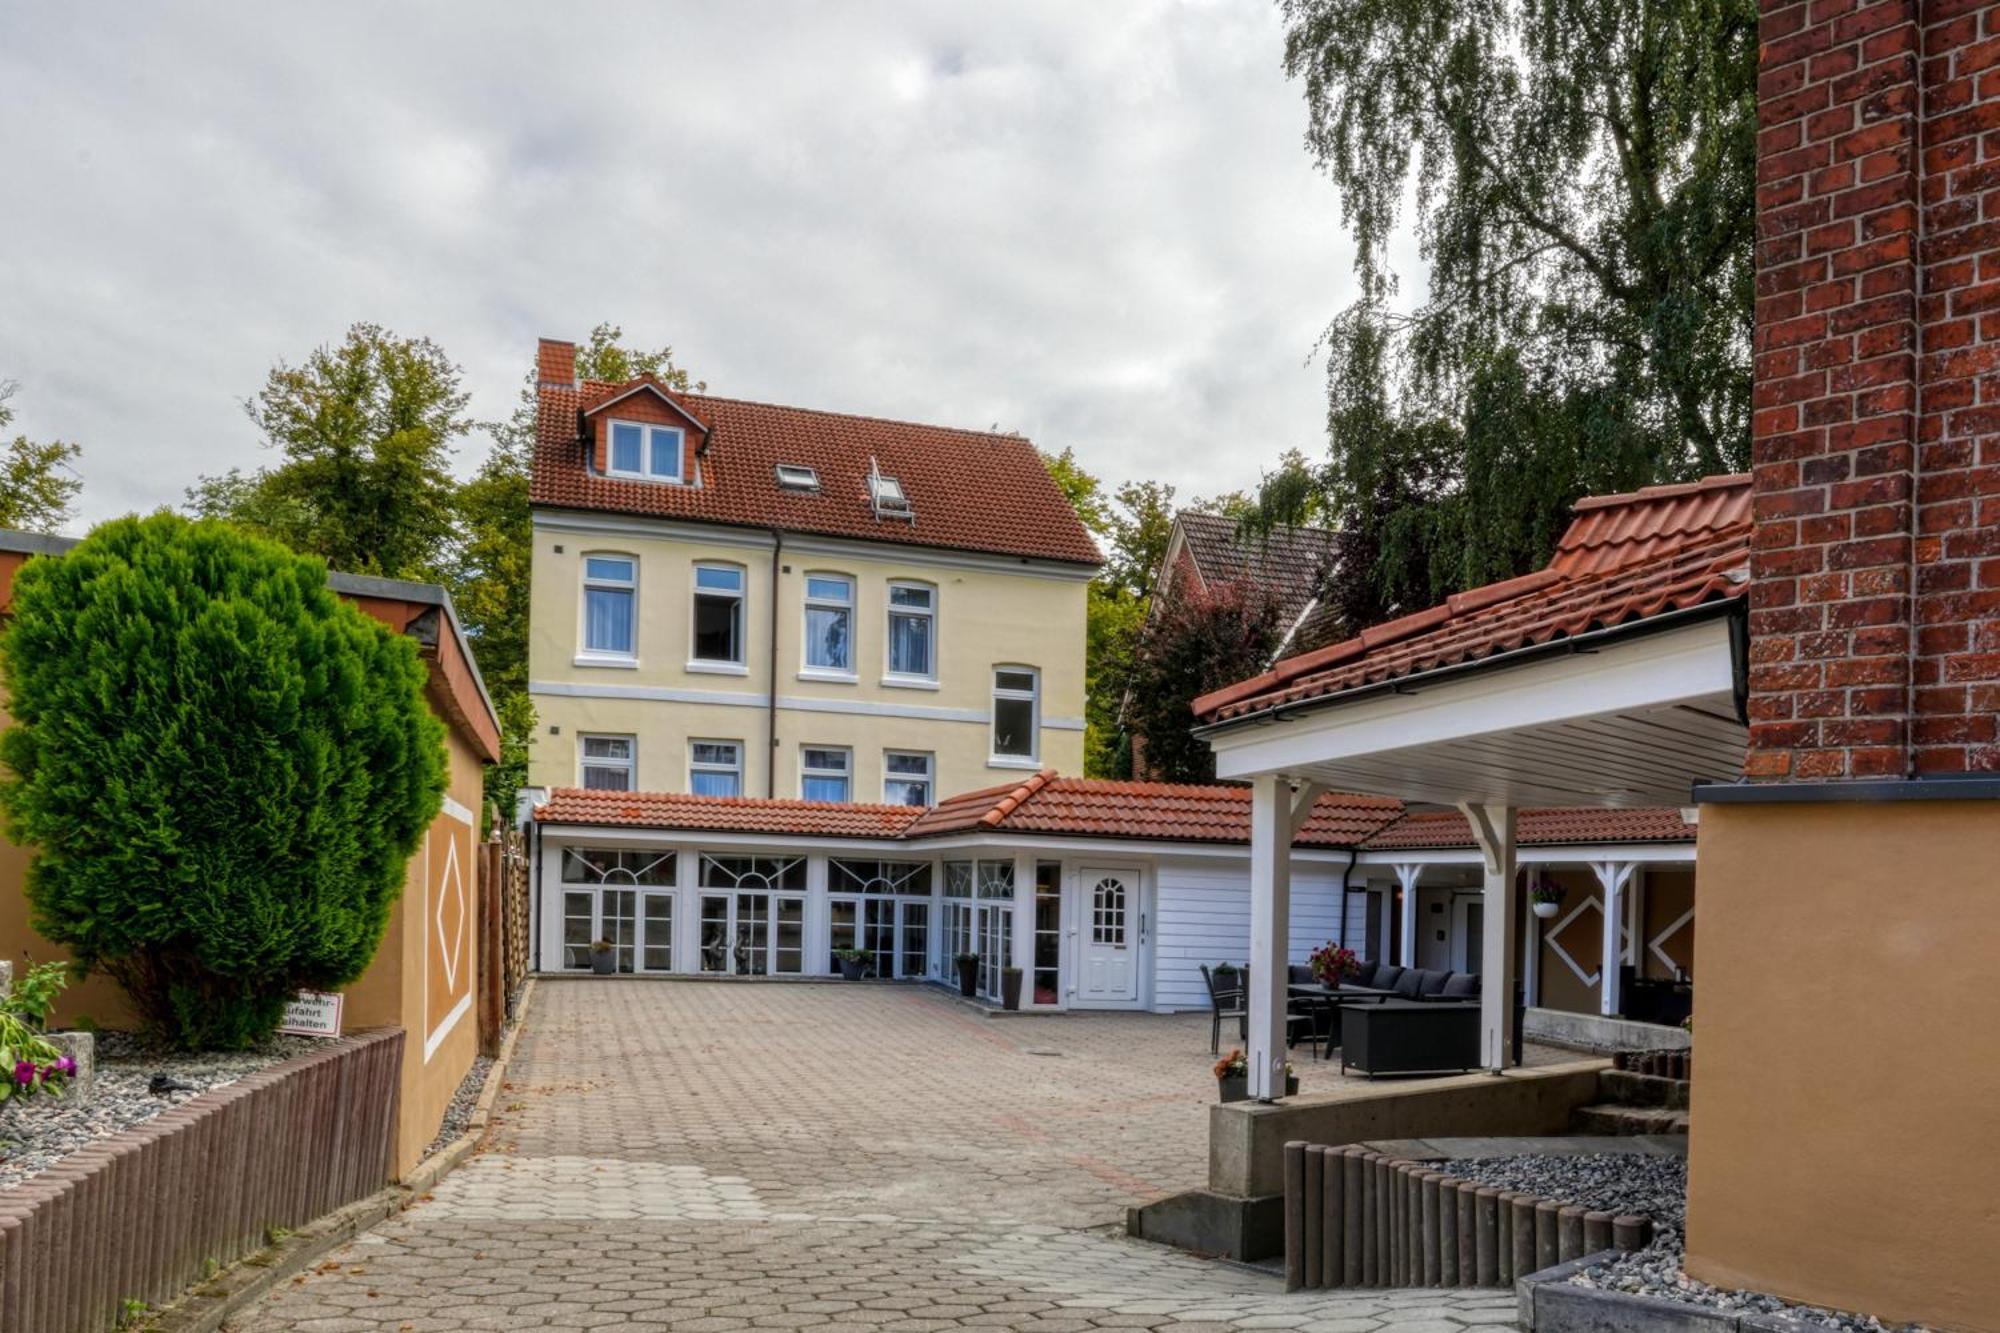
x=1095, y=224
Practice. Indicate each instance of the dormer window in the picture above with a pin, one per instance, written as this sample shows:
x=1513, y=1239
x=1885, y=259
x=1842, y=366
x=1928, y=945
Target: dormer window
x=645, y=452
x=886, y=495
x=797, y=477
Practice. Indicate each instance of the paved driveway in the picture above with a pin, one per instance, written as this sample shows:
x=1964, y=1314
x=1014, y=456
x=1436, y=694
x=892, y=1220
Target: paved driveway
x=711, y=1156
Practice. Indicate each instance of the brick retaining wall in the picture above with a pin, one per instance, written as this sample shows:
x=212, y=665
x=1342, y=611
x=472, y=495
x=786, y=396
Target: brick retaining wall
x=140, y=1215
x=1357, y=1218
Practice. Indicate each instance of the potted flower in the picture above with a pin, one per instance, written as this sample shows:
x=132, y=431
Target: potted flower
x=1546, y=898
x=1010, y=988
x=603, y=957
x=853, y=963
x=1232, y=1076
x=1291, y=1080
x=968, y=973
x=1331, y=962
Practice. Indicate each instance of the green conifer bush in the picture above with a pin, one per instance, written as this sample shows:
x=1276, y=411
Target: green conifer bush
x=222, y=769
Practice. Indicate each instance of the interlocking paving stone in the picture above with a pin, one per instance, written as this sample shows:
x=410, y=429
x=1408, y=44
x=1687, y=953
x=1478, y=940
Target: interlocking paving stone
x=714, y=1157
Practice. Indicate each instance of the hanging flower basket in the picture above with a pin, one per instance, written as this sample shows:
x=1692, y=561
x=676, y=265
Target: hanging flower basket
x=1545, y=898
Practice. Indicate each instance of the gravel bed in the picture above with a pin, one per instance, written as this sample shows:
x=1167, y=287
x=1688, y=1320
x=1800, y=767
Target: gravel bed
x=38, y=1132
x=1657, y=1187
x=459, y=1114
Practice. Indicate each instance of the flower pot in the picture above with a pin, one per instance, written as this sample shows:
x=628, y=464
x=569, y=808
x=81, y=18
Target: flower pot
x=854, y=968
x=1291, y=1085
x=1010, y=988
x=1234, y=1089
x=1547, y=910
x=604, y=962
x=968, y=977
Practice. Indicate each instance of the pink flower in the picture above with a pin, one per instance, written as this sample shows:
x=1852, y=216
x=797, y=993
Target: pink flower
x=64, y=1066
x=24, y=1072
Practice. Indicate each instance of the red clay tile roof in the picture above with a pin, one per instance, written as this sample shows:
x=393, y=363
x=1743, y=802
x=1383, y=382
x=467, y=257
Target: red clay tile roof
x=971, y=490
x=1625, y=558
x=1044, y=803
x=724, y=814
x=1574, y=826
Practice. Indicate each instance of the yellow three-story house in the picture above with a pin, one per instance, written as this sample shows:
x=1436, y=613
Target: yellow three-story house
x=738, y=599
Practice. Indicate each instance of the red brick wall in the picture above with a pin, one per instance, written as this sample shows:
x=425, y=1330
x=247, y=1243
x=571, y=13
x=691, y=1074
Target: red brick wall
x=1875, y=609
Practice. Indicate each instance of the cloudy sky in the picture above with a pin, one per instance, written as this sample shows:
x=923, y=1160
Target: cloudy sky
x=1094, y=223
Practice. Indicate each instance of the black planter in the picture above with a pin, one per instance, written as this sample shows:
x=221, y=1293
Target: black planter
x=1234, y=1089
x=968, y=977
x=604, y=962
x=854, y=968
x=1010, y=988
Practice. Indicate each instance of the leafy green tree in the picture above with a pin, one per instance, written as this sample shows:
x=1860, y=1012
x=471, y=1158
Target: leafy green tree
x=366, y=430
x=488, y=572
x=1584, y=174
x=1194, y=641
x=38, y=481
x=222, y=769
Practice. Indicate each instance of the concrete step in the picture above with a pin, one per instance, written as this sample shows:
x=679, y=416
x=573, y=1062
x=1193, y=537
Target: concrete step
x=1626, y=1089
x=1608, y=1119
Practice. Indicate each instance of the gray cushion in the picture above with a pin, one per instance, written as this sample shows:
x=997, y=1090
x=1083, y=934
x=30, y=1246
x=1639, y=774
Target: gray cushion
x=1432, y=983
x=1407, y=984
x=1302, y=974
x=1386, y=976
x=1461, y=985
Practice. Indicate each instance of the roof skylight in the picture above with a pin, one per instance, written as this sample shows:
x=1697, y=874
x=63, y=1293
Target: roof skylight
x=796, y=477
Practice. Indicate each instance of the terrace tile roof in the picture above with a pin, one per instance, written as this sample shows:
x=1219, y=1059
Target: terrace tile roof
x=1572, y=826
x=1091, y=807
x=970, y=490
x=1625, y=558
x=724, y=814
x=1044, y=803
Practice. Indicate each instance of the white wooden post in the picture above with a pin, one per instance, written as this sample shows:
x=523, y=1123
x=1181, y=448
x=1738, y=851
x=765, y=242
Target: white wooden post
x=1531, y=955
x=1493, y=830
x=1406, y=878
x=1276, y=814
x=1612, y=877
x=1023, y=943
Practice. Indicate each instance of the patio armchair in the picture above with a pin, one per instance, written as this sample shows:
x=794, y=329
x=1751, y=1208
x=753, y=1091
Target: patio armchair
x=1228, y=998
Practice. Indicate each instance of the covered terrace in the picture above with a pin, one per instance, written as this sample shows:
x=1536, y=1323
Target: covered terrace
x=1612, y=678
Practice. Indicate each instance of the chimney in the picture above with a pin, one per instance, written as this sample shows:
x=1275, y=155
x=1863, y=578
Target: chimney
x=555, y=363
x=1875, y=599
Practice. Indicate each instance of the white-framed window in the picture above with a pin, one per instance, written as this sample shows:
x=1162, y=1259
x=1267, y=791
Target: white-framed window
x=913, y=631
x=1017, y=706
x=906, y=777
x=608, y=763
x=829, y=630
x=610, y=605
x=718, y=614
x=826, y=773
x=642, y=450
x=715, y=768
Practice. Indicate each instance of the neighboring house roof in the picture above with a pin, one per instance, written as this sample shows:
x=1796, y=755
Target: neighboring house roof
x=1046, y=804
x=723, y=814
x=1574, y=826
x=1290, y=562
x=1624, y=559
x=970, y=490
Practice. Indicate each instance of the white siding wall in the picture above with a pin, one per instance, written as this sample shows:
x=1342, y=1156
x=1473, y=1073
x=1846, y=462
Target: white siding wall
x=1204, y=917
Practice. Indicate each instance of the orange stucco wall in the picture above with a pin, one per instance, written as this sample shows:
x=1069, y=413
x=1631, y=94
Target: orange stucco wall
x=1846, y=1089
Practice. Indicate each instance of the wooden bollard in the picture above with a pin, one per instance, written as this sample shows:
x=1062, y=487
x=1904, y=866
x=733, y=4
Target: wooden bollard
x=1447, y=1213
x=1570, y=1230
x=1596, y=1232
x=1413, y=1220
x=1524, y=1236
x=1332, y=1216
x=1295, y=1214
x=1503, y=1238
x=1486, y=1236
x=1352, y=1226
x=1630, y=1231
x=1427, y=1229
x=1468, y=1234
x=1548, y=1246
x=1315, y=1182
x=1385, y=1180
x=1371, y=1272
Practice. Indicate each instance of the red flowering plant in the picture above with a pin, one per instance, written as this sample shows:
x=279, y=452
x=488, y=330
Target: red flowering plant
x=1332, y=963
x=29, y=1062
x=1232, y=1065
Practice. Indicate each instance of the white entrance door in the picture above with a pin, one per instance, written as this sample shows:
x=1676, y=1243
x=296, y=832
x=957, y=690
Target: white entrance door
x=1468, y=932
x=1113, y=929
